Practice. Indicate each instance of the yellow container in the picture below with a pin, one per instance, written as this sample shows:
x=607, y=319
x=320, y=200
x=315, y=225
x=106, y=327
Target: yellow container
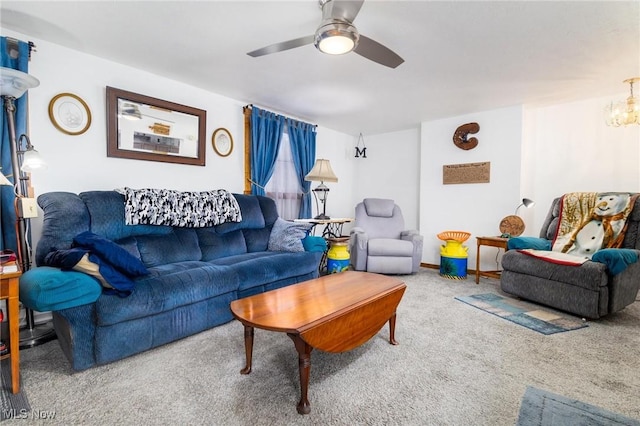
x=453, y=260
x=337, y=258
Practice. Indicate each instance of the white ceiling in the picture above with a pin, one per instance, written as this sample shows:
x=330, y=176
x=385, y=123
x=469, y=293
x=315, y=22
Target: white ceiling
x=460, y=57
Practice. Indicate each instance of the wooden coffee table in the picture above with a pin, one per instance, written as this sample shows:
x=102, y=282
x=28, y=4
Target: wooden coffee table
x=333, y=313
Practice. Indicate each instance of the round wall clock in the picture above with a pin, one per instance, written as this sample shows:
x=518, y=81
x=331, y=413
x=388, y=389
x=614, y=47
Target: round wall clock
x=69, y=114
x=222, y=142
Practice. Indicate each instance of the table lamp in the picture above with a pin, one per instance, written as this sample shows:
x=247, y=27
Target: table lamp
x=321, y=172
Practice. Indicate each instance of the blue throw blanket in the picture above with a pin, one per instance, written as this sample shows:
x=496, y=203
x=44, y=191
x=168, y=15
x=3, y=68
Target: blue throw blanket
x=103, y=259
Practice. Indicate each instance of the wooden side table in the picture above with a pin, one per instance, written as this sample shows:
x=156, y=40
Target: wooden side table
x=9, y=287
x=492, y=242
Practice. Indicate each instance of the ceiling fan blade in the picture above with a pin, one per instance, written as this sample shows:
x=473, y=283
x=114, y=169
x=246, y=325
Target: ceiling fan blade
x=344, y=10
x=376, y=52
x=279, y=47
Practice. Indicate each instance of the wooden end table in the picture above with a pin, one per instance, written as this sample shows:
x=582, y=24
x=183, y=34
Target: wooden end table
x=9, y=288
x=492, y=242
x=334, y=313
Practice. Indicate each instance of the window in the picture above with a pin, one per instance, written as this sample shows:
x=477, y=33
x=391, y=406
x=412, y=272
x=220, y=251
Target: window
x=283, y=186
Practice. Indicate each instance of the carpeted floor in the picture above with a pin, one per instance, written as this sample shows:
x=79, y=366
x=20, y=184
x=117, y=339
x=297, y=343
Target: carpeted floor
x=454, y=366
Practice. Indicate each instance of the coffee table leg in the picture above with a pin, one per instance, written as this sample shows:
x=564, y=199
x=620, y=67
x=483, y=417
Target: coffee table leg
x=248, y=348
x=304, y=365
x=392, y=330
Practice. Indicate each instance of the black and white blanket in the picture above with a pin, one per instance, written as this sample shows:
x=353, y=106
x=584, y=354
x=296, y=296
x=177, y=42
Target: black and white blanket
x=179, y=208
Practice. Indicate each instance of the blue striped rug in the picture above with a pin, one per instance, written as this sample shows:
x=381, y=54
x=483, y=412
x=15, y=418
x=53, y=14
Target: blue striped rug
x=525, y=314
x=542, y=408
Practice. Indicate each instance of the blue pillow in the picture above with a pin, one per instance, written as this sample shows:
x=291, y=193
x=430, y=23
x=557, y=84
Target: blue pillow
x=616, y=260
x=312, y=243
x=523, y=243
x=45, y=289
x=111, y=252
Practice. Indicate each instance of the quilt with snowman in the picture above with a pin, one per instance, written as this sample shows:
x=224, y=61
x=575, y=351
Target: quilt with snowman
x=588, y=223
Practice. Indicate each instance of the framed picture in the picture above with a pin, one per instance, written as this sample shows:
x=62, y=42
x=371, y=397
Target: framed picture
x=145, y=128
x=222, y=142
x=69, y=114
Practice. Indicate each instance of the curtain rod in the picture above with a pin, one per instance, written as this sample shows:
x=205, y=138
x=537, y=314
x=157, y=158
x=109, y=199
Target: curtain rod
x=12, y=44
x=249, y=106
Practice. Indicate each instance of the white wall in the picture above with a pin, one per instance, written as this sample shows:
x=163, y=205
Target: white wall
x=391, y=170
x=478, y=207
x=79, y=163
x=568, y=148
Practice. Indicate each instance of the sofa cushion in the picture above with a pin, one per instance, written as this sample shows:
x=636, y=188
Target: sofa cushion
x=45, y=289
x=252, y=217
x=255, y=269
x=589, y=275
x=390, y=247
x=65, y=216
x=287, y=236
x=257, y=239
x=165, y=288
x=379, y=207
x=178, y=246
x=214, y=245
x=107, y=216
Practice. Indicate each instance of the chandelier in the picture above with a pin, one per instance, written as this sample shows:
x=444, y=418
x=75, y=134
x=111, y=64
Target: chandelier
x=626, y=112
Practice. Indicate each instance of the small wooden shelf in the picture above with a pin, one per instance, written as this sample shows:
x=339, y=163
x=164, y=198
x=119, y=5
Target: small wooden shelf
x=491, y=242
x=9, y=288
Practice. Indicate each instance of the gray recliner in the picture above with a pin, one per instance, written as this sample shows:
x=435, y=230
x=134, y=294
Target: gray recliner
x=589, y=290
x=379, y=243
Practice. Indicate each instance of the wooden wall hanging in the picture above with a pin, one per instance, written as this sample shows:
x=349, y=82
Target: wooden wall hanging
x=466, y=173
x=461, y=136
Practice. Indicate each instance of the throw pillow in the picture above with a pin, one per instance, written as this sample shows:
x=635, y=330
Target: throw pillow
x=287, y=236
x=616, y=260
x=521, y=243
x=111, y=252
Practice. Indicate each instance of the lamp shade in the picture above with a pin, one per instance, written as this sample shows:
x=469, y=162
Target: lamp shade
x=14, y=83
x=32, y=160
x=321, y=172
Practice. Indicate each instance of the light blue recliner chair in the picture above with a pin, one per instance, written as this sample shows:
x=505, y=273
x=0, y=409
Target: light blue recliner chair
x=379, y=243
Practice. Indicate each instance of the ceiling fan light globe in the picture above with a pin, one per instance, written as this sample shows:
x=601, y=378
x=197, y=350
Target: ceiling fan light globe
x=336, y=38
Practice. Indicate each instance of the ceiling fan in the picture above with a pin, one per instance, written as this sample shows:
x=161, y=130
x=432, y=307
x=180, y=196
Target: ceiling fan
x=337, y=35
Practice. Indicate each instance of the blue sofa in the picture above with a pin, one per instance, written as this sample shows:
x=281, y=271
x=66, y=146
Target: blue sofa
x=193, y=275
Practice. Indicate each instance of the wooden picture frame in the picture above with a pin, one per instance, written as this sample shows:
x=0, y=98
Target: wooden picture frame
x=69, y=114
x=144, y=128
x=222, y=142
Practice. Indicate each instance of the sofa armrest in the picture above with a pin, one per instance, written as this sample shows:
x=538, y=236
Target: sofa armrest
x=624, y=287
x=417, y=240
x=358, y=244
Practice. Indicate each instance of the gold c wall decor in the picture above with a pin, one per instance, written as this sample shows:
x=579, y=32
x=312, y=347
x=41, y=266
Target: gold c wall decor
x=461, y=136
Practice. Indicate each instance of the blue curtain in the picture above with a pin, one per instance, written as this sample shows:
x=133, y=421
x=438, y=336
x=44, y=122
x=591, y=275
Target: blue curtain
x=8, y=223
x=266, y=132
x=302, y=137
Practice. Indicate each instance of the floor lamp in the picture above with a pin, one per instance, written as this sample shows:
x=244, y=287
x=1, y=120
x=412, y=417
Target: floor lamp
x=13, y=84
